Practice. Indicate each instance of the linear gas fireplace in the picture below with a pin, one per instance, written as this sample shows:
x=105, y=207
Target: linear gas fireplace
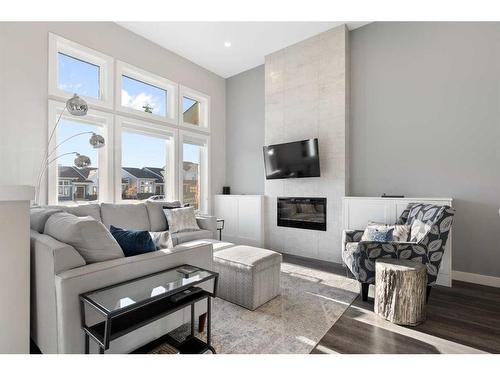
x=305, y=213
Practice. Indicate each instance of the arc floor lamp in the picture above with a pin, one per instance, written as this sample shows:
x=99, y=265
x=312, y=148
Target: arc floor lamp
x=76, y=106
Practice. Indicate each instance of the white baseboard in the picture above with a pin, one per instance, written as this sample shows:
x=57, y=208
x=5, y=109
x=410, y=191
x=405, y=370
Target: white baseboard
x=476, y=278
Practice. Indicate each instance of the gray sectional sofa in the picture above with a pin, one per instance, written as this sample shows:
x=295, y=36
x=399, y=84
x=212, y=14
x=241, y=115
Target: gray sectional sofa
x=59, y=274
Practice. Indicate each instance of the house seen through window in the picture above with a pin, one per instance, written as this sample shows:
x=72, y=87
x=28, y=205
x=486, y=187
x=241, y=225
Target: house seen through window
x=76, y=184
x=144, y=159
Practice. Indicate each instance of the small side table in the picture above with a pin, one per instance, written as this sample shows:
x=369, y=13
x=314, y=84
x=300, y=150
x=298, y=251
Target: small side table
x=400, y=291
x=220, y=227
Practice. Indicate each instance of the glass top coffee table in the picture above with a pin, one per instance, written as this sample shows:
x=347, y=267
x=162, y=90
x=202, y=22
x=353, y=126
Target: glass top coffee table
x=127, y=306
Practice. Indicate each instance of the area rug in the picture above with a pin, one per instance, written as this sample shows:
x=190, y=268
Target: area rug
x=311, y=301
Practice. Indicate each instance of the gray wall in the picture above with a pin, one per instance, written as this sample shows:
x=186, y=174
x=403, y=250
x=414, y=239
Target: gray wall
x=23, y=88
x=425, y=121
x=245, y=132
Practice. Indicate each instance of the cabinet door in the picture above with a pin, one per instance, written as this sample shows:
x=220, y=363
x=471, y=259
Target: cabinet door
x=360, y=212
x=226, y=207
x=250, y=220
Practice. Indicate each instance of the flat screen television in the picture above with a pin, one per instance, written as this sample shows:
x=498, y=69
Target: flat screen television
x=292, y=160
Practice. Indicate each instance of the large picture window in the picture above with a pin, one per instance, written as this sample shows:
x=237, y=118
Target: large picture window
x=70, y=182
x=145, y=160
x=193, y=170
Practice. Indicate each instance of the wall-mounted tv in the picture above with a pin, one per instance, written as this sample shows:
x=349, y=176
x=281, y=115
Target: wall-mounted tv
x=292, y=160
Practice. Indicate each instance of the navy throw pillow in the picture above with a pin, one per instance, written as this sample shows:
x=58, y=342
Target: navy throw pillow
x=133, y=242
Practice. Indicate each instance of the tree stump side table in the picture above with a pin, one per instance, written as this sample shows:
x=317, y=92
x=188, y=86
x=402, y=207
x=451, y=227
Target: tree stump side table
x=400, y=291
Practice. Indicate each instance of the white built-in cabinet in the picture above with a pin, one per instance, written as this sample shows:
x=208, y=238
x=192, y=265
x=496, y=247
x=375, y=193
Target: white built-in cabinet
x=357, y=211
x=243, y=218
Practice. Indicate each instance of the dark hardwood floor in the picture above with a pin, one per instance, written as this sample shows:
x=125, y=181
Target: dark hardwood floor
x=461, y=319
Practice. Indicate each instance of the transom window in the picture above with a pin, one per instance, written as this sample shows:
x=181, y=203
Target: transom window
x=190, y=111
x=75, y=69
x=194, y=109
x=143, y=97
x=145, y=94
x=78, y=76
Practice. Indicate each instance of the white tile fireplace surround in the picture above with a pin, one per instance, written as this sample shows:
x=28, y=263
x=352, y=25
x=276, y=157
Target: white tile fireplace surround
x=306, y=95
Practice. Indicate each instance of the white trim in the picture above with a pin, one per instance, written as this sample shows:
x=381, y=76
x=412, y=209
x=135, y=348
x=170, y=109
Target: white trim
x=477, y=278
x=202, y=140
x=104, y=121
x=146, y=77
x=204, y=101
x=104, y=62
x=127, y=124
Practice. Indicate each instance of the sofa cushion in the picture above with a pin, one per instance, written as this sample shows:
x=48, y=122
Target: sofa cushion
x=87, y=235
x=126, y=216
x=181, y=219
x=157, y=217
x=39, y=216
x=133, y=242
x=92, y=209
x=86, y=209
x=216, y=244
x=179, y=238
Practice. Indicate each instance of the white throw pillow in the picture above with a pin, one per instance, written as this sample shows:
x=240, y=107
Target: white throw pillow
x=87, y=235
x=181, y=219
x=162, y=240
x=400, y=233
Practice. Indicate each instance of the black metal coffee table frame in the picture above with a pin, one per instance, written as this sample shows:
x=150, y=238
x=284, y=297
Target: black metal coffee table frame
x=129, y=318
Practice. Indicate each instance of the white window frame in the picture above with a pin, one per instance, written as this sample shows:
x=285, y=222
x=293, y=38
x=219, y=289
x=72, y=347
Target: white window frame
x=104, y=121
x=204, y=101
x=104, y=62
x=203, y=140
x=128, y=124
x=146, y=77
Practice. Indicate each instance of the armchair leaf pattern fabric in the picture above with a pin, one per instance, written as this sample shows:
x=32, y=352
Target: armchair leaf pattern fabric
x=360, y=256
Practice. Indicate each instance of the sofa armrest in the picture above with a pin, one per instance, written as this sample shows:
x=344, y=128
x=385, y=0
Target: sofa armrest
x=46, y=250
x=48, y=258
x=70, y=284
x=208, y=223
x=351, y=235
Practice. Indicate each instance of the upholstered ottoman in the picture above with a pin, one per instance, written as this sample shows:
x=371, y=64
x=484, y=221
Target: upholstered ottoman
x=248, y=276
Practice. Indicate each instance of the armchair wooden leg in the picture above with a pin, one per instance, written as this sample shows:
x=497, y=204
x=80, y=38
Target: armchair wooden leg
x=364, y=291
x=201, y=322
x=428, y=293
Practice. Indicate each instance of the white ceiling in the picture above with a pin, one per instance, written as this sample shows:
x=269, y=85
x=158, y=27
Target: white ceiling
x=203, y=42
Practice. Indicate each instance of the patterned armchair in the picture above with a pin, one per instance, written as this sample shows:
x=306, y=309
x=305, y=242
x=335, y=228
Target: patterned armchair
x=360, y=256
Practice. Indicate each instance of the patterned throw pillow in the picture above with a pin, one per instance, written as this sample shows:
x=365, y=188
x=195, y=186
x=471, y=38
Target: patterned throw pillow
x=181, y=219
x=401, y=232
x=162, y=240
x=377, y=233
x=418, y=230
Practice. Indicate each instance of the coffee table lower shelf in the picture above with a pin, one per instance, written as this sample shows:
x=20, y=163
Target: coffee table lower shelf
x=123, y=322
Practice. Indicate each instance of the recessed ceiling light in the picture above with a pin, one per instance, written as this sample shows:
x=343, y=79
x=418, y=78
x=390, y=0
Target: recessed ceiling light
x=227, y=44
